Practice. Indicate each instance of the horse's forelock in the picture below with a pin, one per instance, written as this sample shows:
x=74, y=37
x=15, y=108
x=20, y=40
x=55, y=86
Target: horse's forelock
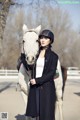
x=30, y=35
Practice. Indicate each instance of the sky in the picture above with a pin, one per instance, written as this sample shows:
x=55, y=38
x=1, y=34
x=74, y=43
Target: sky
x=74, y=12
x=71, y=6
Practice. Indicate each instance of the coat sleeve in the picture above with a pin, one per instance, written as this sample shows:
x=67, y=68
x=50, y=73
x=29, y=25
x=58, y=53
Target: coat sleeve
x=49, y=75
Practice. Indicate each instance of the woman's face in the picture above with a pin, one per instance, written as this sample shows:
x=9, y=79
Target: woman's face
x=44, y=41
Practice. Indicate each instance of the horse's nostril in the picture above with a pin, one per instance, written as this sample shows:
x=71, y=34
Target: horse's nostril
x=32, y=58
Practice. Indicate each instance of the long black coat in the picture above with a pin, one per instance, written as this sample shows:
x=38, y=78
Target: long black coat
x=47, y=95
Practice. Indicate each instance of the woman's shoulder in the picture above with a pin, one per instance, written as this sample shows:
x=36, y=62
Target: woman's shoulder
x=51, y=53
x=54, y=54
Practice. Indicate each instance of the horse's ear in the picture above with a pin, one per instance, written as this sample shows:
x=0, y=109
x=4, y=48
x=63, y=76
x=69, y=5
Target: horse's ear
x=25, y=28
x=37, y=30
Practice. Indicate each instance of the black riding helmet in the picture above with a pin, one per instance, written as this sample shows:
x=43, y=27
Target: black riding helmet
x=48, y=34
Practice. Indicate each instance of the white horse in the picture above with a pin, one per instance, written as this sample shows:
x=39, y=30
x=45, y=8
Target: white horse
x=30, y=48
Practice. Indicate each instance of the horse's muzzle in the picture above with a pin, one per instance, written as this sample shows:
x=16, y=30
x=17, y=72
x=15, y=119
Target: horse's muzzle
x=30, y=60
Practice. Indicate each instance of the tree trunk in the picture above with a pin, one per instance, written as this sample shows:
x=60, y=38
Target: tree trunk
x=3, y=16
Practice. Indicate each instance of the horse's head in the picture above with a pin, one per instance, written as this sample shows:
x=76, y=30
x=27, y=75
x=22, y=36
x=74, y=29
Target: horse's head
x=30, y=43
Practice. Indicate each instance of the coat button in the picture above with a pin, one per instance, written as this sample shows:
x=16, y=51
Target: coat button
x=41, y=87
x=45, y=68
x=45, y=60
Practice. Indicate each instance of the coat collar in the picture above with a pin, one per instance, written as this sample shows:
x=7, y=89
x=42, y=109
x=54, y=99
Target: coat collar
x=47, y=55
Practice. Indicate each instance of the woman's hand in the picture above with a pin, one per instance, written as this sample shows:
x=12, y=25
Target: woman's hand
x=32, y=81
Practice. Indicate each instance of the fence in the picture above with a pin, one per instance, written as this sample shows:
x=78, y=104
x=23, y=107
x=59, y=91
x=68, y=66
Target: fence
x=9, y=77
x=13, y=74
x=73, y=73
x=8, y=74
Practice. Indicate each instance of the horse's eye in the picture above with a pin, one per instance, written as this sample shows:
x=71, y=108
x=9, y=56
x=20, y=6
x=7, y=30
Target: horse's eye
x=23, y=41
x=37, y=41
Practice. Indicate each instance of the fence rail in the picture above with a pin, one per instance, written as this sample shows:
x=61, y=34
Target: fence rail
x=13, y=74
x=8, y=74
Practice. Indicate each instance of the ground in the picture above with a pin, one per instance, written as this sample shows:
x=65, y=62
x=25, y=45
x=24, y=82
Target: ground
x=12, y=101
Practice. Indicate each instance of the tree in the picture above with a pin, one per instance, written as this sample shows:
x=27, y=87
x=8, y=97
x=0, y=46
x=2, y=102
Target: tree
x=50, y=18
x=3, y=16
x=4, y=10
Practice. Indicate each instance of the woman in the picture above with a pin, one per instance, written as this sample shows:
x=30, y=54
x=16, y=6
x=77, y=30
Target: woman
x=42, y=96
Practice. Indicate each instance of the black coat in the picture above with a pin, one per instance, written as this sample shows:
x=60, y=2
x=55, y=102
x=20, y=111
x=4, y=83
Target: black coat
x=47, y=95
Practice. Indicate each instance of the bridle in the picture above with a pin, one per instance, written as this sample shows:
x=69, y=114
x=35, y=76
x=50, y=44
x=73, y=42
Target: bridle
x=28, y=72
x=23, y=47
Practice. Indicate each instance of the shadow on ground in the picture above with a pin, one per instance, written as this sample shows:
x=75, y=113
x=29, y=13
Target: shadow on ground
x=5, y=87
x=77, y=93
x=23, y=117
x=20, y=117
